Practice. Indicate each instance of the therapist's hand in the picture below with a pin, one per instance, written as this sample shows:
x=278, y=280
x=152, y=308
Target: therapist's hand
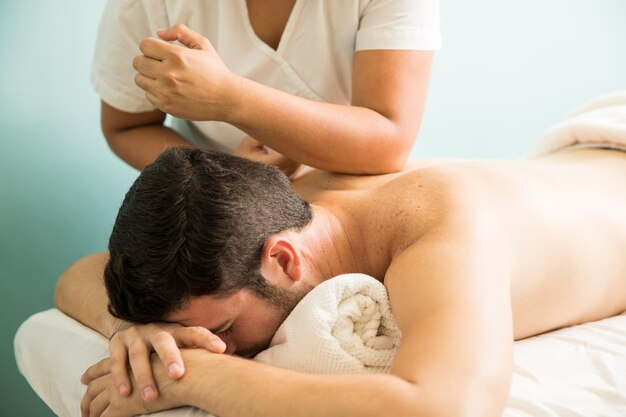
x=250, y=148
x=134, y=345
x=189, y=81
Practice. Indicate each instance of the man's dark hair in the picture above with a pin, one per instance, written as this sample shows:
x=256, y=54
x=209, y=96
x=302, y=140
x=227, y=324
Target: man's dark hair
x=194, y=223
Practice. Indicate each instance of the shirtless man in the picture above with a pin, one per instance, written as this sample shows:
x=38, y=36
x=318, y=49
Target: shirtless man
x=474, y=255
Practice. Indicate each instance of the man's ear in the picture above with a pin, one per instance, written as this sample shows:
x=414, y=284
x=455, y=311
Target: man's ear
x=280, y=260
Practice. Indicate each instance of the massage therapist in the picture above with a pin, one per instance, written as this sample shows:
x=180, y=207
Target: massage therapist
x=338, y=85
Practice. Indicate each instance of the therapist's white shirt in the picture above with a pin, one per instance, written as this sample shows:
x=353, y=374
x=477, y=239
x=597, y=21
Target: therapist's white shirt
x=313, y=59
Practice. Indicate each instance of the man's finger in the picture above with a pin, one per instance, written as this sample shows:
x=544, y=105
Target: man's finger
x=109, y=412
x=84, y=404
x=156, y=48
x=99, y=404
x=139, y=358
x=165, y=346
x=146, y=66
x=184, y=35
x=94, y=389
x=95, y=371
x=199, y=337
x=118, y=365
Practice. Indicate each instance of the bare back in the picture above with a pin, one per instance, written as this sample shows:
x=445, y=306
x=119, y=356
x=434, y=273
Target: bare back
x=561, y=216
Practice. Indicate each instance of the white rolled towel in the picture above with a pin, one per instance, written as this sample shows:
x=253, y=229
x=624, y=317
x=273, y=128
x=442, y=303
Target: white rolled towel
x=601, y=122
x=344, y=325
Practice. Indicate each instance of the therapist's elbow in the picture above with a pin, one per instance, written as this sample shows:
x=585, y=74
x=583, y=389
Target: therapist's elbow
x=392, y=156
x=395, y=162
x=395, y=140
x=114, y=139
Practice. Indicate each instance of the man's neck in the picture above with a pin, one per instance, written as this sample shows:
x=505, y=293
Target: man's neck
x=333, y=244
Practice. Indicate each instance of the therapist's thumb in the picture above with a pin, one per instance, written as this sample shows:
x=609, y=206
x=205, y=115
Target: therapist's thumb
x=184, y=35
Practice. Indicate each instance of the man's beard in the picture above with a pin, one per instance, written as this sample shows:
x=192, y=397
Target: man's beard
x=289, y=300
x=285, y=301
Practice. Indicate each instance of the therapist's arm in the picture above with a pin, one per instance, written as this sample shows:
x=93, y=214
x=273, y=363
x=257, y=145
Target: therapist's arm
x=137, y=138
x=372, y=135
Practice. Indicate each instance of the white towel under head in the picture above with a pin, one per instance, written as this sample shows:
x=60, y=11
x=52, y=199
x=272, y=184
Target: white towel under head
x=344, y=325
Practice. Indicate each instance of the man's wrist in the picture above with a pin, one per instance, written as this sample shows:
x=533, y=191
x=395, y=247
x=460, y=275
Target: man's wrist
x=200, y=372
x=112, y=325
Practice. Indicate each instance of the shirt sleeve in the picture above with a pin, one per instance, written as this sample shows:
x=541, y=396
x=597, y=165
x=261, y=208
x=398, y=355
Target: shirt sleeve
x=124, y=24
x=399, y=24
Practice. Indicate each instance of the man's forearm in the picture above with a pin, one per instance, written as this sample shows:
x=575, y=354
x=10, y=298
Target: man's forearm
x=234, y=387
x=80, y=294
x=140, y=146
x=326, y=136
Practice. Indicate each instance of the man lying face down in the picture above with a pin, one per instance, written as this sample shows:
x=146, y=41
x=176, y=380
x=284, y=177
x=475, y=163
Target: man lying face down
x=188, y=242
x=214, y=251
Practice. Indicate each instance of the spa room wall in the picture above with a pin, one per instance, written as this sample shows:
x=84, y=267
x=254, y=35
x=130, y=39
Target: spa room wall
x=507, y=71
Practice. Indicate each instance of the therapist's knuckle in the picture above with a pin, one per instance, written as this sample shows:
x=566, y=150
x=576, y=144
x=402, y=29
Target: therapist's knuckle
x=91, y=388
x=165, y=106
x=143, y=44
x=169, y=75
x=152, y=99
x=177, y=58
x=88, y=373
x=205, y=43
x=186, y=55
x=179, y=27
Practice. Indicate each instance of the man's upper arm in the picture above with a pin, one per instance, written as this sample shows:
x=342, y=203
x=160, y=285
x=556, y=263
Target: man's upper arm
x=450, y=295
x=80, y=293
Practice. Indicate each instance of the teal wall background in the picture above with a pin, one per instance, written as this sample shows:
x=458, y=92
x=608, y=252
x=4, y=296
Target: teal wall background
x=508, y=70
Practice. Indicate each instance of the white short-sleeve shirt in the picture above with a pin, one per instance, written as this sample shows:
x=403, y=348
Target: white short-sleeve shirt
x=313, y=59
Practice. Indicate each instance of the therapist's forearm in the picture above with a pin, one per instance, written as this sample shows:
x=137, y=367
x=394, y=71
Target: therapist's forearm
x=140, y=146
x=330, y=137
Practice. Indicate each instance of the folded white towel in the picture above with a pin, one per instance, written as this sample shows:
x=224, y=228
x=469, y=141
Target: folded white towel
x=343, y=325
x=601, y=122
